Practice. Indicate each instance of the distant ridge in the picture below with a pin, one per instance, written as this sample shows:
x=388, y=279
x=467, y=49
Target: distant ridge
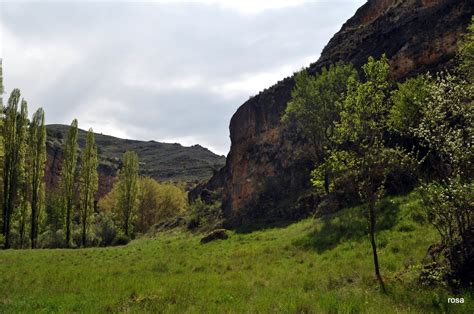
x=161, y=161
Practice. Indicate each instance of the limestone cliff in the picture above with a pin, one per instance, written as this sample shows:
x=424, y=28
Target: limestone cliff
x=264, y=169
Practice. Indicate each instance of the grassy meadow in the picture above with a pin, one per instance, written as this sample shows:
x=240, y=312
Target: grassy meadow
x=316, y=265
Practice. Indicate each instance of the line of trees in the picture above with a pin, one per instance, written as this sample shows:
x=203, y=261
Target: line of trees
x=23, y=168
x=363, y=129
x=23, y=162
x=70, y=215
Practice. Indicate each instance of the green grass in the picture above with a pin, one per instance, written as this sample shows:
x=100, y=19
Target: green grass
x=310, y=266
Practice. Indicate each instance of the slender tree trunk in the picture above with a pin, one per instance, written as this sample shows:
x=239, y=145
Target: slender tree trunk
x=68, y=225
x=84, y=220
x=8, y=214
x=84, y=223
x=373, y=243
x=126, y=225
x=326, y=181
x=34, y=221
x=22, y=233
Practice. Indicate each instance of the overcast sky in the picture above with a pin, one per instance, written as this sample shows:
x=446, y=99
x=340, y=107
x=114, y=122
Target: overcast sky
x=164, y=70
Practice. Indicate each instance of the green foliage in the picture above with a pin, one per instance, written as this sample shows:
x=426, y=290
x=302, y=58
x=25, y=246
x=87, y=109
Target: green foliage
x=68, y=179
x=433, y=274
x=88, y=183
x=128, y=191
x=315, y=106
x=315, y=100
x=2, y=149
x=2, y=90
x=14, y=133
x=157, y=202
x=105, y=228
x=121, y=239
x=408, y=100
x=51, y=239
x=205, y=216
x=466, y=53
x=446, y=126
x=36, y=161
x=361, y=152
x=55, y=215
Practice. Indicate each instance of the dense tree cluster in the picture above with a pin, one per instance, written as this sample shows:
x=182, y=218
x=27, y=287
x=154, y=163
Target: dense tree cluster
x=364, y=129
x=69, y=216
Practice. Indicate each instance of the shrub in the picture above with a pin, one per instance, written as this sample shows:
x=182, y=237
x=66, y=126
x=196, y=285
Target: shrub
x=51, y=239
x=104, y=228
x=205, y=216
x=121, y=239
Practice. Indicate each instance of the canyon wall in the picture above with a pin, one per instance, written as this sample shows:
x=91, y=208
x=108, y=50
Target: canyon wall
x=266, y=171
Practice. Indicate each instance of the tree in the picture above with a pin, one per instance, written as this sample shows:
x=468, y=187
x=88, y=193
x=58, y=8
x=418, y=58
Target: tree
x=446, y=128
x=2, y=151
x=128, y=190
x=89, y=183
x=315, y=107
x=359, y=135
x=23, y=173
x=408, y=100
x=158, y=201
x=36, y=164
x=14, y=133
x=68, y=177
x=466, y=54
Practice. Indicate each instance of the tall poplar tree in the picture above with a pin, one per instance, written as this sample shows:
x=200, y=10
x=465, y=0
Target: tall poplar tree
x=2, y=147
x=68, y=177
x=128, y=190
x=36, y=165
x=23, y=175
x=14, y=133
x=89, y=182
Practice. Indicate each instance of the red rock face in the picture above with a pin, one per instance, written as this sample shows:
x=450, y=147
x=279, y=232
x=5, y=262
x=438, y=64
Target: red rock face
x=53, y=172
x=263, y=166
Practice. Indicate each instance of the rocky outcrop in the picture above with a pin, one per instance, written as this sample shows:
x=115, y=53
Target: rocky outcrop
x=219, y=234
x=266, y=171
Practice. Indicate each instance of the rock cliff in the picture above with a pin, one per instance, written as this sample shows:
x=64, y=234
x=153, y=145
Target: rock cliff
x=265, y=173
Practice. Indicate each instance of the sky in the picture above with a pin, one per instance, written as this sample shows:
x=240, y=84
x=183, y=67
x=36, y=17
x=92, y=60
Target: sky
x=164, y=70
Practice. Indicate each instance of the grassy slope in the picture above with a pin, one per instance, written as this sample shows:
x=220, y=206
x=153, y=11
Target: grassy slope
x=309, y=266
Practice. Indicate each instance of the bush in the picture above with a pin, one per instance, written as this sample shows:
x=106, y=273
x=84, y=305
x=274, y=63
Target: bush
x=433, y=274
x=156, y=202
x=51, y=239
x=205, y=216
x=104, y=229
x=121, y=239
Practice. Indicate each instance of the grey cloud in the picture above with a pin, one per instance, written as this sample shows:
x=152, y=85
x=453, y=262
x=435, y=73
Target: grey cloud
x=112, y=43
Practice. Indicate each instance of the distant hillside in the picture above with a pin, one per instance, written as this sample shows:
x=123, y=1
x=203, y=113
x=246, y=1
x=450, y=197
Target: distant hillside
x=161, y=161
